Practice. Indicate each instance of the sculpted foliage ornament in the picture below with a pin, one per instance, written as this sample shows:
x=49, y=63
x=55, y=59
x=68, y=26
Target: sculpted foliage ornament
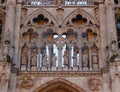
x=25, y=83
x=94, y=84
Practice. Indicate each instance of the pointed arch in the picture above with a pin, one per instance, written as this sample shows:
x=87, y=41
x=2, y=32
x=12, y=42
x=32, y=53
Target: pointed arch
x=83, y=13
x=59, y=83
x=36, y=13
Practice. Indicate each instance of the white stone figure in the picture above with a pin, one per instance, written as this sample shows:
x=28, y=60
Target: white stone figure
x=54, y=58
x=65, y=56
x=85, y=59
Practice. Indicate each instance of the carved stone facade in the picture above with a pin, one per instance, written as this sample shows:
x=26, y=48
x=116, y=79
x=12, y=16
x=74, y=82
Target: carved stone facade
x=60, y=45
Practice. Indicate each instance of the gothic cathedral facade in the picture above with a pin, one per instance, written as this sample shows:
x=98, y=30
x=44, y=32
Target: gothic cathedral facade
x=59, y=45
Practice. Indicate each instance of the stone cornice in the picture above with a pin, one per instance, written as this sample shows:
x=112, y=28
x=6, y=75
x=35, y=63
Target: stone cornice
x=60, y=73
x=55, y=6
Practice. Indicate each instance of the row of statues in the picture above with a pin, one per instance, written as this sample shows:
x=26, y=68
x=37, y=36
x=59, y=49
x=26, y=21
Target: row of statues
x=51, y=59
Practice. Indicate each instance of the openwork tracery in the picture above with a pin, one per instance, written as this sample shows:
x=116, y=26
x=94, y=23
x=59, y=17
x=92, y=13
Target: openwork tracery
x=75, y=48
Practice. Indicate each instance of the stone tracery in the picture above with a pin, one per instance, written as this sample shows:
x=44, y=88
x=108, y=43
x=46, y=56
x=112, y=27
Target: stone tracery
x=61, y=47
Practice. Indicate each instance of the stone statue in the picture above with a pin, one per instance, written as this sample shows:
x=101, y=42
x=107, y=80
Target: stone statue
x=112, y=53
x=113, y=47
x=34, y=59
x=24, y=54
x=65, y=56
x=95, y=58
x=7, y=47
x=76, y=62
x=24, y=59
x=54, y=58
x=44, y=58
x=85, y=59
x=7, y=58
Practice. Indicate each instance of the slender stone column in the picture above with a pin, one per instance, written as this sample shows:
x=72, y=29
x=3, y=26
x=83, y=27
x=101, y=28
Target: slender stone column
x=70, y=58
x=103, y=35
x=50, y=55
x=38, y=59
x=9, y=23
x=80, y=44
x=113, y=85
x=60, y=44
x=117, y=83
x=80, y=59
x=29, y=57
x=90, y=55
x=106, y=82
x=13, y=82
x=17, y=31
x=59, y=58
x=111, y=28
x=90, y=59
x=115, y=76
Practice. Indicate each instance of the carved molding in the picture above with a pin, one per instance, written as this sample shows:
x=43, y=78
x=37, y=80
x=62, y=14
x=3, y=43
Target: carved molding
x=60, y=74
x=94, y=84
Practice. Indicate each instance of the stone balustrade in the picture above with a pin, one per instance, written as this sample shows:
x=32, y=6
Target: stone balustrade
x=60, y=2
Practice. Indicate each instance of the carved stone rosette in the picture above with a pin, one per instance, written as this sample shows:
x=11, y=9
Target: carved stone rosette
x=25, y=83
x=94, y=84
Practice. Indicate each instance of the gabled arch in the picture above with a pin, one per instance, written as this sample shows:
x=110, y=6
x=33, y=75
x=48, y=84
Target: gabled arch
x=83, y=13
x=59, y=83
x=36, y=13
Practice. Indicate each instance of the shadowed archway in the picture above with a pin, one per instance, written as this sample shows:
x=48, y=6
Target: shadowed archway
x=59, y=85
